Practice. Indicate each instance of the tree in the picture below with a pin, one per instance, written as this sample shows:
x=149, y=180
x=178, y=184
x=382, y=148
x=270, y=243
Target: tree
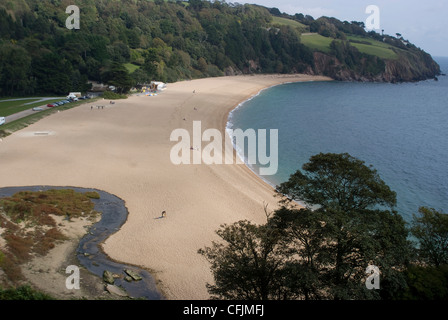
x=15, y=64
x=119, y=77
x=323, y=250
x=430, y=228
x=349, y=201
x=426, y=283
x=150, y=65
x=249, y=265
x=338, y=182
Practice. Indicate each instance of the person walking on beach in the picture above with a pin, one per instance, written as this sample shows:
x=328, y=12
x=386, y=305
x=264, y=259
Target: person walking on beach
x=163, y=214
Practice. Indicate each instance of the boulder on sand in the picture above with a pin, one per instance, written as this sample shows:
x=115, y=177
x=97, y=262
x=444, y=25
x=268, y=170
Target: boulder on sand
x=134, y=275
x=108, y=277
x=116, y=290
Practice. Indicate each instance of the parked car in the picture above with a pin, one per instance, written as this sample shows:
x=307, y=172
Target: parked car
x=51, y=105
x=2, y=120
x=38, y=109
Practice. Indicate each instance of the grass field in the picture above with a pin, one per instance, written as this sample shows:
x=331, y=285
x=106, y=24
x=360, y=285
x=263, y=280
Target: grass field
x=375, y=48
x=24, y=122
x=131, y=67
x=288, y=22
x=8, y=108
x=317, y=42
x=369, y=46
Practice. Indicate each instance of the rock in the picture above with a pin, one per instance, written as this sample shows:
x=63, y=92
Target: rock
x=108, y=277
x=116, y=290
x=134, y=275
x=128, y=279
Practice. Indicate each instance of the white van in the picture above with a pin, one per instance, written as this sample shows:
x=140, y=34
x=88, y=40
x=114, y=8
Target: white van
x=2, y=120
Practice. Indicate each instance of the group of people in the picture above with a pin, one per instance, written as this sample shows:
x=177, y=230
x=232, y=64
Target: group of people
x=101, y=107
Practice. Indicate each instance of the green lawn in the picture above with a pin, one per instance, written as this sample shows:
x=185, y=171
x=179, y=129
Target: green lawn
x=8, y=108
x=131, y=67
x=288, y=22
x=316, y=41
x=375, y=48
x=21, y=123
x=369, y=46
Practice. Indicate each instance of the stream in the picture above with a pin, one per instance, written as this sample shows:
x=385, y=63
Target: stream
x=113, y=215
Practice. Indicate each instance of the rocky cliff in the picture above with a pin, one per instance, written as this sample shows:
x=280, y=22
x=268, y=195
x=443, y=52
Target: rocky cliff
x=409, y=67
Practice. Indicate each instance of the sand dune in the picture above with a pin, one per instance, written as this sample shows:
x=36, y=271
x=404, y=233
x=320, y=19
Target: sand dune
x=124, y=149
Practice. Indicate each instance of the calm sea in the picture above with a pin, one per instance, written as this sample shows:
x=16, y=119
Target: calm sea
x=399, y=129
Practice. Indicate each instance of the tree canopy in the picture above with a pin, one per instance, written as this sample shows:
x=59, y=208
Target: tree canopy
x=322, y=251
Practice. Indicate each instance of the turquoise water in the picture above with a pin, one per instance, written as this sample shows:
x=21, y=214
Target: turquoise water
x=399, y=129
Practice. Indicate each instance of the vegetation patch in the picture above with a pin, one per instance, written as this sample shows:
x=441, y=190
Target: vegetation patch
x=280, y=21
x=8, y=108
x=114, y=96
x=28, y=228
x=317, y=42
x=23, y=293
x=24, y=122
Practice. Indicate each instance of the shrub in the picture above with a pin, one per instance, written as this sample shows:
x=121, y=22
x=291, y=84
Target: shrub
x=19, y=247
x=23, y=293
x=92, y=195
x=114, y=96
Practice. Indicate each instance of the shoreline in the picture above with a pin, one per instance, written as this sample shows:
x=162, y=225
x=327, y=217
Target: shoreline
x=241, y=105
x=133, y=163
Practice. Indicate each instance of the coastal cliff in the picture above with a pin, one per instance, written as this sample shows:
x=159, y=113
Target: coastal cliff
x=408, y=68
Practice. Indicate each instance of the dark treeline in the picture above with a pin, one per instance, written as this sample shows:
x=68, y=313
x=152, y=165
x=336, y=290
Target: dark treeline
x=160, y=40
x=167, y=40
x=323, y=251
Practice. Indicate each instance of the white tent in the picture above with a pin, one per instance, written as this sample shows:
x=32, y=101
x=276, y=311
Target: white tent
x=159, y=85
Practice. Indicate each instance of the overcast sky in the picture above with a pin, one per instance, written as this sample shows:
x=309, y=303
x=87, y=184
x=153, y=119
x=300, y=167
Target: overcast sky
x=423, y=23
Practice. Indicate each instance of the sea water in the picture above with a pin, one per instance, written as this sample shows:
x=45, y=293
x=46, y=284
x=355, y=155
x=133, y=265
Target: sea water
x=399, y=129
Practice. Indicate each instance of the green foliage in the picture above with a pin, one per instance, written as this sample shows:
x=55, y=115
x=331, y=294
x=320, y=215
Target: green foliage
x=430, y=228
x=24, y=292
x=322, y=251
x=170, y=41
x=319, y=253
x=252, y=264
x=92, y=195
x=113, y=96
x=117, y=75
x=426, y=283
x=338, y=182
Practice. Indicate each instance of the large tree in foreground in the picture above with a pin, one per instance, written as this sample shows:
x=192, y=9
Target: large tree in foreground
x=353, y=212
x=338, y=182
x=249, y=264
x=321, y=251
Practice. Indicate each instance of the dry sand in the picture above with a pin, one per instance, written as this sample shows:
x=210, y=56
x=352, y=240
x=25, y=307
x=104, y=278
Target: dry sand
x=124, y=149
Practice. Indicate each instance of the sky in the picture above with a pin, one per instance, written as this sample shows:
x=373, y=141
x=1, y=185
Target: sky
x=423, y=23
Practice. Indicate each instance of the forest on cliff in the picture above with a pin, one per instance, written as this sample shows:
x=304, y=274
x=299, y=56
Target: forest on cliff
x=133, y=42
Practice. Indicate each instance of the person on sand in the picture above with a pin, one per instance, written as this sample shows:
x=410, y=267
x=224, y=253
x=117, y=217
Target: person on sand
x=163, y=214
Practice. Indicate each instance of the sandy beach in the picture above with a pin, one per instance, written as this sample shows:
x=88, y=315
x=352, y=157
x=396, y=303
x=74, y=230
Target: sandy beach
x=124, y=149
